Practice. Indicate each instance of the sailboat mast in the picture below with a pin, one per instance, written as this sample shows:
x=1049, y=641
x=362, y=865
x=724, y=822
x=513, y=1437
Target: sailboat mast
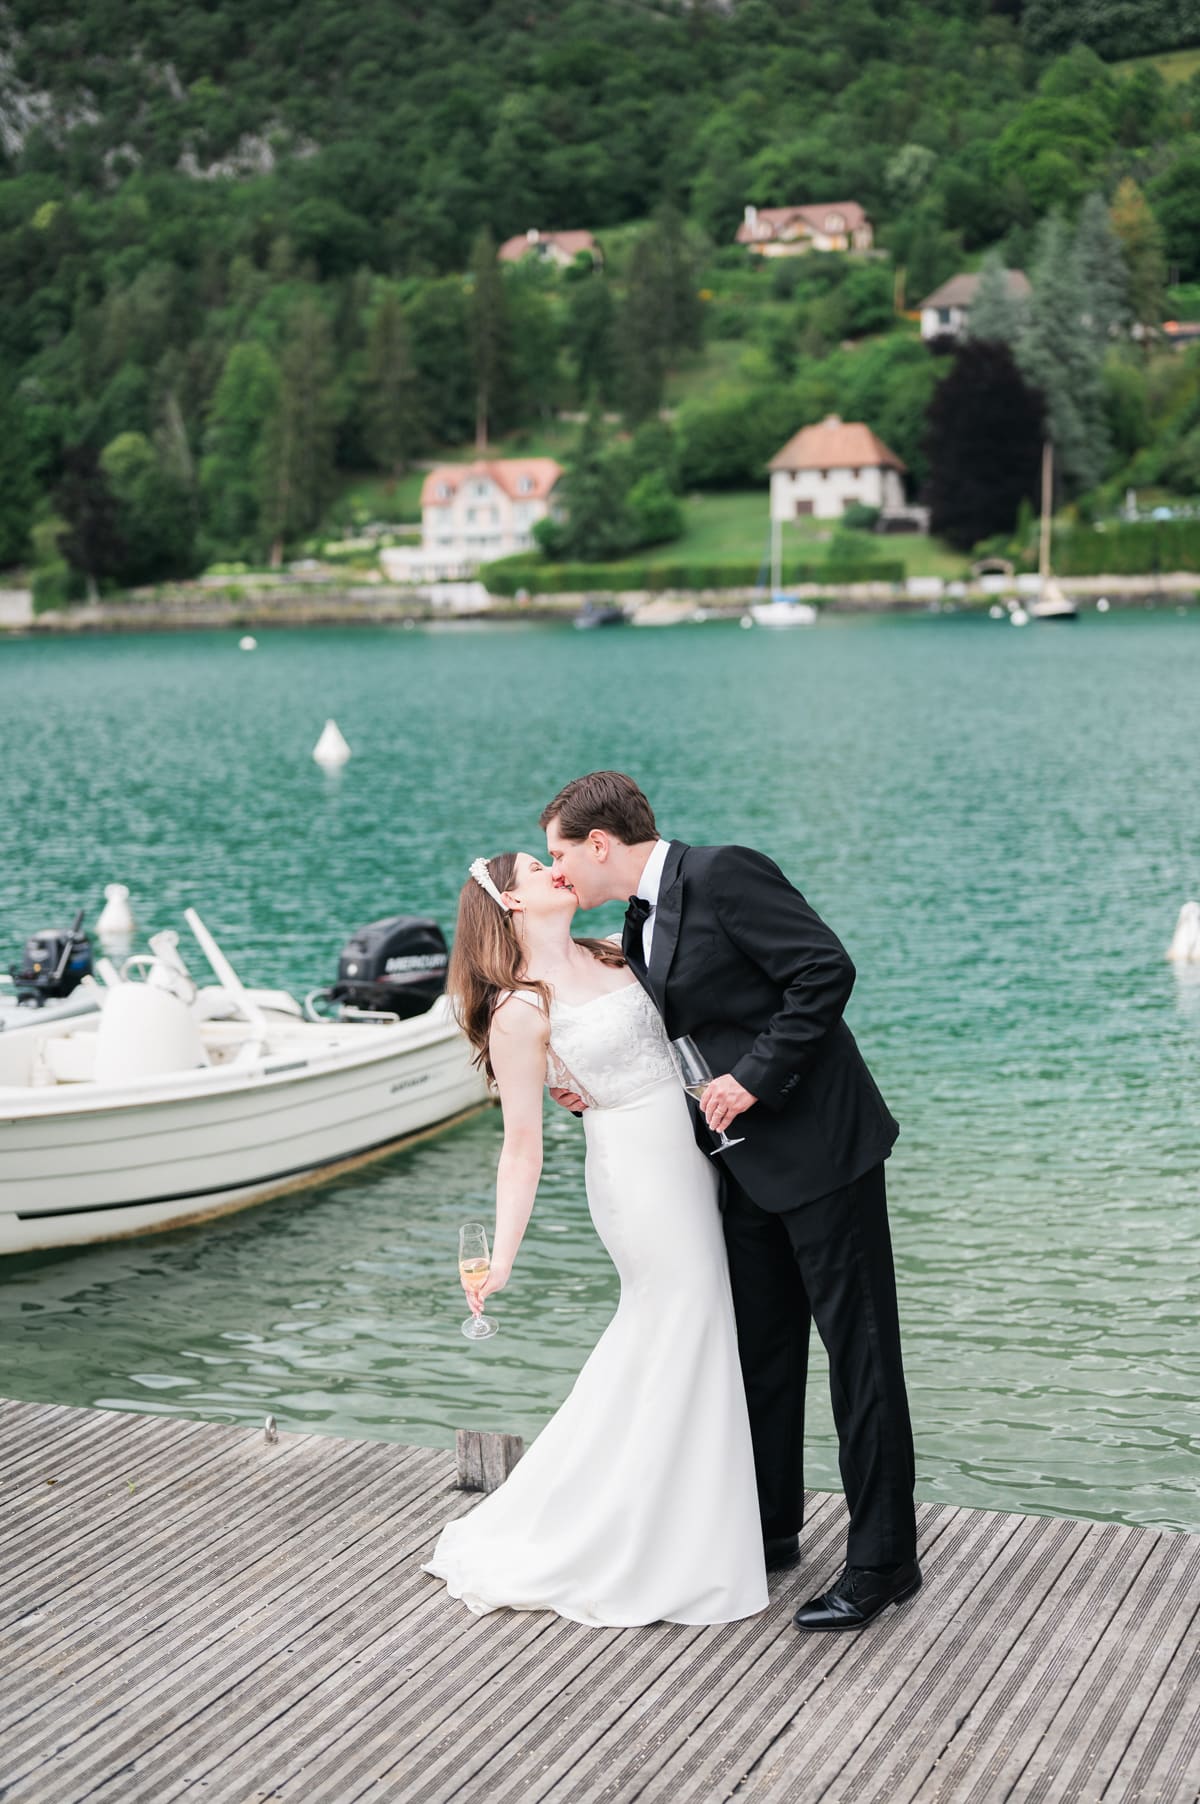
x=776, y=554
x=1047, y=493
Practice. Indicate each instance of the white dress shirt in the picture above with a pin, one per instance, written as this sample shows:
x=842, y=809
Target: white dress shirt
x=648, y=887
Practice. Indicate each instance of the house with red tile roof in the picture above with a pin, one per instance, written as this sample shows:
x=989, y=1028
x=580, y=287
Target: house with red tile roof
x=559, y=248
x=824, y=469
x=839, y=225
x=477, y=511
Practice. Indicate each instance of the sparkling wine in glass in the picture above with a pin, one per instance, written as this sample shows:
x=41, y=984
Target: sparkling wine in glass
x=695, y=1076
x=474, y=1264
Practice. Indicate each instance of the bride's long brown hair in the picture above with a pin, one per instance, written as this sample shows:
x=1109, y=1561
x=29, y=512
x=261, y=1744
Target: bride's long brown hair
x=487, y=956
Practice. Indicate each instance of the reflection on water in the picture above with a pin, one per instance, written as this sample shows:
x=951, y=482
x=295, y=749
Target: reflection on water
x=992, y=820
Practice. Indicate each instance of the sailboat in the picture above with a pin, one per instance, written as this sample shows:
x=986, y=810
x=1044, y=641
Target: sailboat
x=1050, y=603
x=782, y=609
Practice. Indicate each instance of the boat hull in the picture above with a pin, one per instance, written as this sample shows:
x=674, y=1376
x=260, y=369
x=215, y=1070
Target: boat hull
x=81, y=1168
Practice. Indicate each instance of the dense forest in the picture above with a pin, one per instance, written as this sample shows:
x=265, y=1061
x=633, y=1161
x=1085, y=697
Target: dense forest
x=246, y=251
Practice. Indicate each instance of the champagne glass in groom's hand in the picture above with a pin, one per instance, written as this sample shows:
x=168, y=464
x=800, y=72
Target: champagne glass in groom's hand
x=695, y=1076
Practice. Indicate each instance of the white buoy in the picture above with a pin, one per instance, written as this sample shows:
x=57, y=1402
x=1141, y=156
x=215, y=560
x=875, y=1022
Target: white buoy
x=996, y=612
x=116, y=917
x=1018, y=617
x=1103, y=605
x=745, y=621
x=1185, y=944
x=248, y=643
x=331, y=749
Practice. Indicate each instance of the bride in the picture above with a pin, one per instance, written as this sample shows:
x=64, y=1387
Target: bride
x=637, y=1501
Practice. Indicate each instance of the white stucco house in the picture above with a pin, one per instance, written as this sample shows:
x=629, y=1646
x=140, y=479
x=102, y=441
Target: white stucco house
x=945, y=312
x=473, y=512
x=559, y=248
x=823, y=469
x=791, y=231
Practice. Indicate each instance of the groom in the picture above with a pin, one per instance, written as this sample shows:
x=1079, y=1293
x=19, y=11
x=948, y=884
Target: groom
x=733, y=956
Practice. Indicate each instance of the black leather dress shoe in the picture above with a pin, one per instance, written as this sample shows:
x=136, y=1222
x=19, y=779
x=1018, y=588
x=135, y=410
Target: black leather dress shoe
x=780, y=1551
x=858, y=1597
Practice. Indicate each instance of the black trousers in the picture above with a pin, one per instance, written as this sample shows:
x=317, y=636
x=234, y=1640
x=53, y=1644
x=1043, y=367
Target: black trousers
x=828, y=1262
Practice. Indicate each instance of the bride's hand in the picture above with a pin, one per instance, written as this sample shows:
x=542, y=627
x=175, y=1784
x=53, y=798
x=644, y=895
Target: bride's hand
x=496, y=1279
x=569, y=1099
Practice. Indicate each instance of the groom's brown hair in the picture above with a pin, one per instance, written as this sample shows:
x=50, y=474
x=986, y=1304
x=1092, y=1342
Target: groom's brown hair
x=607, y=799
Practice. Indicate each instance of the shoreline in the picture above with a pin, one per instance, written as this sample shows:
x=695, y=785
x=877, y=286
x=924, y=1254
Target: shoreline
x=193, y=607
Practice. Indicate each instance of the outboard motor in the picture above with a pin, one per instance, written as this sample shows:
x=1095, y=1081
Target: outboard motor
x=52, y=964
x=397, y=966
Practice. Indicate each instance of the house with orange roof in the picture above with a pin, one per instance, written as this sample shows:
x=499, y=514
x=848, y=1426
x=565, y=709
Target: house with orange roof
x=473, y=512
x=823, y=469
x=839, y=225
x=559, y=248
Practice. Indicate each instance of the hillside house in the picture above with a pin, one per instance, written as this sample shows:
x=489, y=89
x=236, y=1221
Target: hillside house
x=473, y=512
x=945, y=312
x=824, y=469
x=791, y=231
x=559, y=248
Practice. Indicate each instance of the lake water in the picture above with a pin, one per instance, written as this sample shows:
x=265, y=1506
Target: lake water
x=1001, y=825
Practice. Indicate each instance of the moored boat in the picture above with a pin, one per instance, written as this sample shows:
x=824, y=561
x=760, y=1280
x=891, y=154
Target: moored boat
x=171, y=1102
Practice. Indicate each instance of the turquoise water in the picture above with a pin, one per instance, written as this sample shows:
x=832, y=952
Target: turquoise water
x=1002, y=825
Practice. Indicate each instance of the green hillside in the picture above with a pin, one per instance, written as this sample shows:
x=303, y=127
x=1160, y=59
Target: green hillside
x=247, y=270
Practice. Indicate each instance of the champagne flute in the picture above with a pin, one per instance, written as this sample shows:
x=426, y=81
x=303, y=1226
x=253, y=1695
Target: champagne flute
x=695, y=1076
x=474, y=1264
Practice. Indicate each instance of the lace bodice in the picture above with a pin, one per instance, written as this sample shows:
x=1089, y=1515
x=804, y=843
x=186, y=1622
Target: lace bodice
x=609, y=1049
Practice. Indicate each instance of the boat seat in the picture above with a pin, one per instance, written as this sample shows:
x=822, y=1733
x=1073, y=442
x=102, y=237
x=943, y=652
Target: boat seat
x=70, y=1058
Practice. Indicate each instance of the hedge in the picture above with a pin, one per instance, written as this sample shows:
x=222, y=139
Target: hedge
x=1137, y=548
x=508, y=575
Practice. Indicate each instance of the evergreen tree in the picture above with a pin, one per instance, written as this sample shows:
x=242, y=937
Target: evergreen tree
x=1101, y=271
x=1058, y=356
x=984, y=445
x=1141, y=239
x=588, y=336
x=593, y=493
x=297, y=461
x=92, y=543
x=641, y=345
x=391, y=406
x=232, y=480
x=156, y=516
x=996, y=313
x=488, y=331
x=18, y=490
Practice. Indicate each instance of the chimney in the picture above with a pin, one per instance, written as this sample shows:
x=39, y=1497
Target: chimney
x=751, y=217
x=532, y=235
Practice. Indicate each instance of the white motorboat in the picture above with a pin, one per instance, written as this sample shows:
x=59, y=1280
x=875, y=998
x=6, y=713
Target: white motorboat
x=169, y=1102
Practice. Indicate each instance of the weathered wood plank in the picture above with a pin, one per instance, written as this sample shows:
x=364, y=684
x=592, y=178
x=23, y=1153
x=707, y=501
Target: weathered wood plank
x=484, y=1461
x=252, y=1622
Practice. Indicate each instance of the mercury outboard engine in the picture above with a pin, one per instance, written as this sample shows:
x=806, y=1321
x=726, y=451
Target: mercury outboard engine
x=398, y=965
x=52, y=964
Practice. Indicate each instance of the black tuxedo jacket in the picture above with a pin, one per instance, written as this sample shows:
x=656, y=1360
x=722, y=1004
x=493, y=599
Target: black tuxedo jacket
x=739, y=961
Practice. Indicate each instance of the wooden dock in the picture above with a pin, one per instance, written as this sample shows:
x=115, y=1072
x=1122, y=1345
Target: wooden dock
x=192, y=1612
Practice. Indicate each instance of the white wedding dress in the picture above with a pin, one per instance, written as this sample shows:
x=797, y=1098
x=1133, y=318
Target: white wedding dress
x=637, y=1501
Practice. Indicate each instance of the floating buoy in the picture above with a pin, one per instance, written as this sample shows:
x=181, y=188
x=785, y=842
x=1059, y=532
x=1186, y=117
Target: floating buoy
x=248, y=643
x=1185, y=944
x=1103, y=605
x=116, y=917
x=331, y=749
x=1018, y=617
x=745, y=620
x=996, y=612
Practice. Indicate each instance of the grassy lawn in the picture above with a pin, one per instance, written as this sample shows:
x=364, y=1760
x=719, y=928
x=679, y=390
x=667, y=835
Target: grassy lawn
x=731, y=527
x=1174, y=66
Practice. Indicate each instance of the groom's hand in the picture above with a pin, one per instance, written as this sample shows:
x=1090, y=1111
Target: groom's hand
x=570, y=1099
x=724, y=1100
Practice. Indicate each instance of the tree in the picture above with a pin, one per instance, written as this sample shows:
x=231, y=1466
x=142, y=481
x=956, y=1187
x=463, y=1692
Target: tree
x=297, y=460
x=92, y=543
x=593, y=492
x=996, y=313
x=1056, y=355
x=985, y=431
x=232, y=480
x=1176, y=199
x=588, y=336
x=488, y=331
x=155, y=511
x=18, y=489
x=1101, y=270
x=1141, y=239
x=391, y=407
x=656, y=514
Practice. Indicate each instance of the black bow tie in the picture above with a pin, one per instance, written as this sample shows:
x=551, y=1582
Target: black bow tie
x=638, y=912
